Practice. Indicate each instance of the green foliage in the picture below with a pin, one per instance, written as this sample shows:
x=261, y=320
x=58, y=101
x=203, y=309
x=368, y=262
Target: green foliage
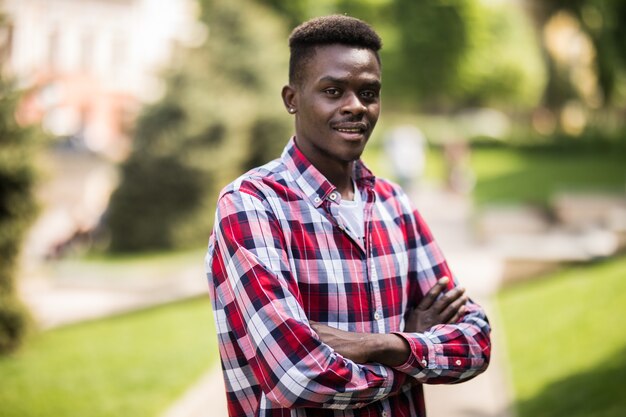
x=603, y=21
x=266, y=141
x=433, y=36
x=14, y=323
x=162, y=189
x=197, y=138
x=131, y=365
x=295, y=11
x=452, y=54
x=17, y=210
x=502, y=66
x=564, y=336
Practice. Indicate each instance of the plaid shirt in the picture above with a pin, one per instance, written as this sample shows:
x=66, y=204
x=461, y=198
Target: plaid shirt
x=280, y=256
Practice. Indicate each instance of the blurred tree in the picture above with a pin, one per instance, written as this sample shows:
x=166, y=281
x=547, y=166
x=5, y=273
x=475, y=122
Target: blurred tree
x=201, y=134
x=603, y=21
x=453, y=54
x=295, y=11
x=432, y=37
x=17, y=210
x=502, y=66
x=262, y=143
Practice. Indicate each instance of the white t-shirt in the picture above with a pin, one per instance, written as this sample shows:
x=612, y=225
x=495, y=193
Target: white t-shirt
x=351, y=212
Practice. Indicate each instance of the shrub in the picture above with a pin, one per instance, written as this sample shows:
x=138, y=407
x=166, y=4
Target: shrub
x=17, y=210
x=267, y=138
x=196, y=139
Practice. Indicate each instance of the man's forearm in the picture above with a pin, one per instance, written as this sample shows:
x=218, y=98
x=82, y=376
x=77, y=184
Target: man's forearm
x=386, y=349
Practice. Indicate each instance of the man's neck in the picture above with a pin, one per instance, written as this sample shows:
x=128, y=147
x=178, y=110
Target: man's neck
x=339, y=173
x=344, y=187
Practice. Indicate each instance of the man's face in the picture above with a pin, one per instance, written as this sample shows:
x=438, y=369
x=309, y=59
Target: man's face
x=337, y=104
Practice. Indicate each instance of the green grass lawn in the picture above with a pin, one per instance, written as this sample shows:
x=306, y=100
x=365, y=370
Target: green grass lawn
x=514, y=175
x=566, y=341
x=131, y=365
x=517, y=176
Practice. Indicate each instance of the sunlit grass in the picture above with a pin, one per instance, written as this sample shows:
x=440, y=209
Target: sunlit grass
x=566, y=341
x=131, y=365
x=516, y=176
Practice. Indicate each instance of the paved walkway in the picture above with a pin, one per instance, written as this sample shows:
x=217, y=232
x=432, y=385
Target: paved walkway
x=480, y=271
x=448, y=216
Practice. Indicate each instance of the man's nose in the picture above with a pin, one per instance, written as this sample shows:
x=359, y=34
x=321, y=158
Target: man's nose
x=353, y=104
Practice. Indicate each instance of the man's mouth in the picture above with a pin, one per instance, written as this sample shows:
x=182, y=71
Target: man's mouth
x=352, y=128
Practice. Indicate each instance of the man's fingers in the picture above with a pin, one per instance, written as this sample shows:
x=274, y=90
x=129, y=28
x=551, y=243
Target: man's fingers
x=451, y=296
x=453, y=309
x=433, y=293
x=458, y=315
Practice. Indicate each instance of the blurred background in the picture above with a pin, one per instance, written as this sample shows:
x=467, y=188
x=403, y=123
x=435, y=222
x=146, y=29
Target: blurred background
x=120, y=121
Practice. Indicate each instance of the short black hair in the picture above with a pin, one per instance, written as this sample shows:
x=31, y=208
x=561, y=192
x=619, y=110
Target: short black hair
x=328, y=30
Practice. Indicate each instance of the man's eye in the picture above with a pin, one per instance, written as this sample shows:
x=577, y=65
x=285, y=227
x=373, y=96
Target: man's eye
x=370, y=95
x=332, y=91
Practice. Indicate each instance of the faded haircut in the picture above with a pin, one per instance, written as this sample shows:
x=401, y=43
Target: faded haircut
x=328, y=30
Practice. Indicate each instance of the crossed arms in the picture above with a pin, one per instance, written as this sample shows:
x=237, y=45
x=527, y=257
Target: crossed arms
x=391, y=349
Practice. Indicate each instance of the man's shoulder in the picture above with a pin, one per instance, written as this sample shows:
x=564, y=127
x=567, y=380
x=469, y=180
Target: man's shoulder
x=388, y=189
x=392, y=196
x=260, y=181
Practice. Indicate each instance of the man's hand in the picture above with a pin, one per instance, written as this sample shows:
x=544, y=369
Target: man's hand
x=432, y=311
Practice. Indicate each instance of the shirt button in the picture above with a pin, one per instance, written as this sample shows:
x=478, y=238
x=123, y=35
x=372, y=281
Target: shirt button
x=385, y=414
x=333, y=196
x=317, y=199
x=377, y=315
x=424, y=363
x=458, y=362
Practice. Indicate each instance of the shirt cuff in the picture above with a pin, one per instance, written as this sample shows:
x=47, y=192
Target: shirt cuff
x=422, y=354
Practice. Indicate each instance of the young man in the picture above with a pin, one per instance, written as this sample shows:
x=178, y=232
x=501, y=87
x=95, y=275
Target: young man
x=329, y=293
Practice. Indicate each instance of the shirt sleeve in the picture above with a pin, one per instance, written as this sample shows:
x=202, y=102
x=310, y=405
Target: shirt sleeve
x=251, y=273
x=449, y=353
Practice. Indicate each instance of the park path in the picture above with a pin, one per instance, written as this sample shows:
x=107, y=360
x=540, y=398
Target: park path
x=68, y=300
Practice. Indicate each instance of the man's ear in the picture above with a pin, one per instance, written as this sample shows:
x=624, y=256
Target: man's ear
x=290, y=99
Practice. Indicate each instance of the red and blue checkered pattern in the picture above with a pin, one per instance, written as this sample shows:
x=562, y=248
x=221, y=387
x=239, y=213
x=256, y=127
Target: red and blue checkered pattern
x=280, y=256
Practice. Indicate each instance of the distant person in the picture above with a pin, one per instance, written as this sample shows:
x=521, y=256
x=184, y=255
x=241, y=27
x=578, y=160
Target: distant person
x=329, y=294
x=404, y=146
x=460, y=178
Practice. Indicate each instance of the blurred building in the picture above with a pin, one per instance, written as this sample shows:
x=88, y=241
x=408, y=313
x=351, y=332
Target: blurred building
x=87, y=65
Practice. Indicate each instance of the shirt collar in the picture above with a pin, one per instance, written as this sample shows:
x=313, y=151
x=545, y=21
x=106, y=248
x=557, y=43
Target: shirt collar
x=311, y=181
